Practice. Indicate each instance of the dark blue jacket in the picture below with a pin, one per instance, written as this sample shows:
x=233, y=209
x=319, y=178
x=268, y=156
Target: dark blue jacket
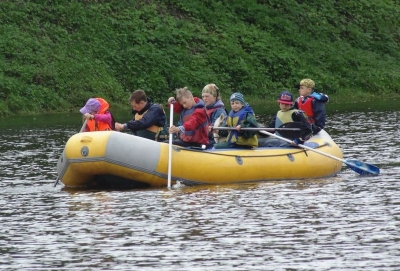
x=154, y=116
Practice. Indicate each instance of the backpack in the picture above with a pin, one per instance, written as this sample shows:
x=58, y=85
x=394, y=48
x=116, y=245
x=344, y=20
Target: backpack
x=112, y=122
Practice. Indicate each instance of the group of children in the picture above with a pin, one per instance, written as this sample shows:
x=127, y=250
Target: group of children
x=197, y=117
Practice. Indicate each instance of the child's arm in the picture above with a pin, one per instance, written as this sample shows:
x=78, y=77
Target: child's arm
x=306, y=131
x=319, y=115
x=249, y=122
x=196, y=119
x=177, y=107
x=153, y=116
x=272, y=123
x=106, y=117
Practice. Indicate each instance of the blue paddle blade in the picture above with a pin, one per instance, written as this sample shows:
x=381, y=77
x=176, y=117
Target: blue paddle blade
x=362, y=168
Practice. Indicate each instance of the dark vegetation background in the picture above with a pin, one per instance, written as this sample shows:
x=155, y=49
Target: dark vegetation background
x=54, y=55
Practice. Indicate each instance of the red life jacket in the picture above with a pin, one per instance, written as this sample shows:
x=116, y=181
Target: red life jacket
x=93, y=125
x=305, y=104
x=200, y=134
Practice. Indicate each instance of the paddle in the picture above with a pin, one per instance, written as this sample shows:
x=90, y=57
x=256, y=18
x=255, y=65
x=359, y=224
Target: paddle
x=357, y=166
x=286, y=132
x=171, y=122
x=80, y=131
x=258, y=129
x=83, y=126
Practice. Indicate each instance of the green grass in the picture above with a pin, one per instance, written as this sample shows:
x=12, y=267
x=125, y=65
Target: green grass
x=54, y=55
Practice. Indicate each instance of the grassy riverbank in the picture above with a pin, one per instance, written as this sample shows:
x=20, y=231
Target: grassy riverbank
x=55, y=55
x=337, y=103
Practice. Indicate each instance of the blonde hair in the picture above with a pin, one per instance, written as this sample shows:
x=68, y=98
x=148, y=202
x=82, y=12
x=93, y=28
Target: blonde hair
x=212, y=89
x=183, y=93
x=308, y=83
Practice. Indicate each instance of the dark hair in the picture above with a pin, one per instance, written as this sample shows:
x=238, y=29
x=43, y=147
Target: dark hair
x=138, y=96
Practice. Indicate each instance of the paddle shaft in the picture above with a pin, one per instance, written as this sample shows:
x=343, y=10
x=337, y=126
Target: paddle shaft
x=258, y=129
x=305, y=147
x=83, y=126
x=171, y=122
x=362, y=168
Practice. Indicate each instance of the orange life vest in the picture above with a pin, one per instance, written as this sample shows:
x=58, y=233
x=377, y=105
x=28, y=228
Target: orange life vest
x=93, y=125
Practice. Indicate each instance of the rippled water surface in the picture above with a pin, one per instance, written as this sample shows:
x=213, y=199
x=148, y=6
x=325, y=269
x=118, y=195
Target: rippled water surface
x=347, y=222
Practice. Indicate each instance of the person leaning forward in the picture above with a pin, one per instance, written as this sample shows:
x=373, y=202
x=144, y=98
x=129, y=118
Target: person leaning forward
x=193, y=131
x=149, y=119
x=99, y=118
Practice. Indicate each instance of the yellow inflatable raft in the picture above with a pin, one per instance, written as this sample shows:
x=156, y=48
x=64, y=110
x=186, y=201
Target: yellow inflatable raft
x=113, y=159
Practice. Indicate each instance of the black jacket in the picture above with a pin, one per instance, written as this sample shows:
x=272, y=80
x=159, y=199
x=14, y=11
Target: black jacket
x=155, y=115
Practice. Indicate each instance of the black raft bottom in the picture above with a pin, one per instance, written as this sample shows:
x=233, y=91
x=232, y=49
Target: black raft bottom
x=112, y=181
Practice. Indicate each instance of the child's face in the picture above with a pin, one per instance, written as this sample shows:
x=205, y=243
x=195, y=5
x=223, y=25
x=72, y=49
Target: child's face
x=304, y=91
x=187, y=103
x=236, y=105
x=208, y=98
x=285, y=107
x=94, y=111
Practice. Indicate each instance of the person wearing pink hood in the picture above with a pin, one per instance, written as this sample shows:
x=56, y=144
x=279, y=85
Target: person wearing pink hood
x=96, y=112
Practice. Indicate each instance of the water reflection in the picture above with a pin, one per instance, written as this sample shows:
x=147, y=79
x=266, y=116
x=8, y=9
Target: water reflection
x=374, y=138
x=347, y=222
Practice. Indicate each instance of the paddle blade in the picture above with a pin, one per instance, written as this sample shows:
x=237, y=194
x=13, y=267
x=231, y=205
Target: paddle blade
x=362, y=168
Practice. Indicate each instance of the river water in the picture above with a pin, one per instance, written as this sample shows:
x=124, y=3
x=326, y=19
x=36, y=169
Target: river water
x=346, y=222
